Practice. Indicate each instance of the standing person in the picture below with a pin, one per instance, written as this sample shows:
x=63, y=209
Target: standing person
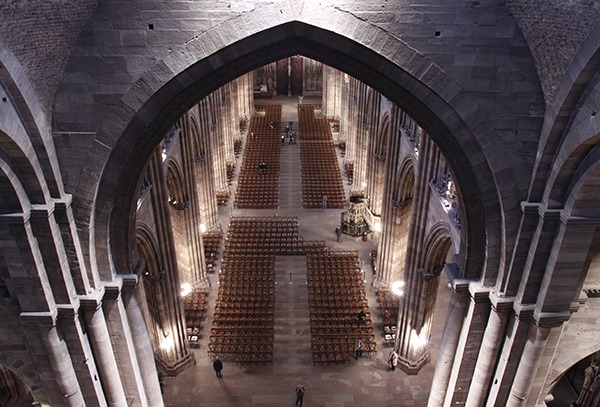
x=282, y=139
x=338, y=233
x=393, y=360
x=218, y=366
x=324, y=203
x=300, y=390
x=359, y=347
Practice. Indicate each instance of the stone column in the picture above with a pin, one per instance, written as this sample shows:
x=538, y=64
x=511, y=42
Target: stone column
x=531, y=357
x=449, y=344
x=361, y=126
x=59, y=359
x=103, y=350
x=63, y=214
x=512, y=348
x=488, y=353
x=122, y=342
x=141, y=341
x=389, y=229
x=49, y=241
x=81, y=353
x=468, y=345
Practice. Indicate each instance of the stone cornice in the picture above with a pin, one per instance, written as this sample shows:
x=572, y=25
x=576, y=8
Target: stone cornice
x=550, y=319
x=501, y=304
x=18, y=218
x=478, y=292
x=130, y=281
x=68, y=311
x=44, y=318
x=93, y=300
x=113, y=289
x=579, y=220
x=64, y=202
x=42, y=211
x=523, y=312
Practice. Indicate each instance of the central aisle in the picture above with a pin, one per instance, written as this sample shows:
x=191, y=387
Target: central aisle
x=291, y=344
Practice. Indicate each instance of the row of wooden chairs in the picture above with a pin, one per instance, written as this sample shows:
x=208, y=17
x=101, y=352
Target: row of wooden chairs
x=258, y=182
x=211, y=240
x=194, y=306
x=336, y=299
x=389, y=304
x=320, y=172
x=244, y=313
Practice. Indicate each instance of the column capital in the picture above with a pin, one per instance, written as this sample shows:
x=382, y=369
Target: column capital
x=529, y=208
x=500, y=303
x=92, y=301
x=459, y=284
x=113, y=289
x=42, y=211
x=130, y=281
x=523, y=312
x=68, y=311
x=478, y=292
x=550, y=319
x=63, y=202
x=44, y=318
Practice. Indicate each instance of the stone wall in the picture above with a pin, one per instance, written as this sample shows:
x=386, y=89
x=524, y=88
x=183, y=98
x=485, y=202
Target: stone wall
x=41, y=33
x=554, y=30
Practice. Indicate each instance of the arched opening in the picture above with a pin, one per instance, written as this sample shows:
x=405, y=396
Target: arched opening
x=122, y=256
x=163, y=108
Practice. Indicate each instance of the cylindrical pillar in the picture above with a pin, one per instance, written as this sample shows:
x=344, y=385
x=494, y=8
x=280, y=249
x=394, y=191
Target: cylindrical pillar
x=58, y=356
x=141, y=341
x=103, y=352
x=443, y=369
x=536, y=340
x=486, y=360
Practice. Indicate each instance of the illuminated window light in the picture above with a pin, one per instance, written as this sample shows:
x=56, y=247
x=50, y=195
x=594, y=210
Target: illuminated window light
x=186, y=288
x=398, y=288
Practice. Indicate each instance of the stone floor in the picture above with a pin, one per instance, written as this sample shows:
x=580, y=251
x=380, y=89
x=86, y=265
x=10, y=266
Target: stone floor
x=363, y=382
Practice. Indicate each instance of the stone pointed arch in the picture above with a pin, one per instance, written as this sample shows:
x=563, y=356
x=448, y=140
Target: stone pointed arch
x=437, y=246
x=405, y=183
x=178, y=196
x=163, y=93
x=382, y=138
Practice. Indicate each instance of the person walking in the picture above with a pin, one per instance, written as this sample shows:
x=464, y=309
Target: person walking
x=359, y=347
x=300, y=390
x=393, y=359
x=218, y=366
x=324, y=203
x=338, y=233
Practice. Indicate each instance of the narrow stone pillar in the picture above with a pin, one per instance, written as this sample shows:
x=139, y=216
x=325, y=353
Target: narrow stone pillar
x=141, y=341
x=63, y=214
x=80, y=352
x=531, y=357
x=449, y=344
x=58, y=356
x=468, y=345
x=488, y=354
x=103, y=350
x=124, y=349
x=512, y=348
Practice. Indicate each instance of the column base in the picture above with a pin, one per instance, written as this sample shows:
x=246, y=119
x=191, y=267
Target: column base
x=175, y=368
x=413, y=367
